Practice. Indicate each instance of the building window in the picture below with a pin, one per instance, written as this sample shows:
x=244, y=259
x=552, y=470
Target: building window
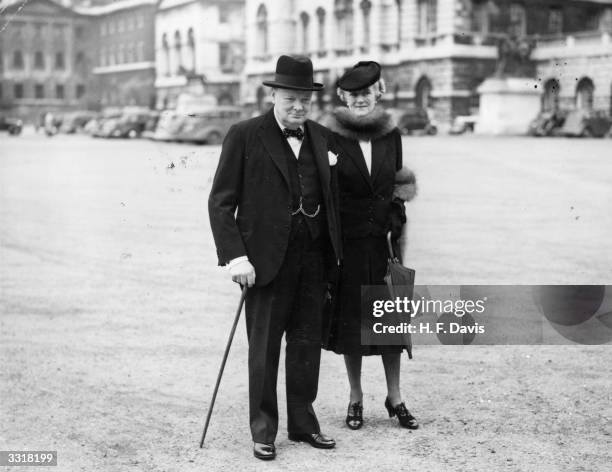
x=166, y=54
x=18, y=91
x=59, y=32
x=223, y=13
x=178, y=54
x=78, y=32
x=555, y=21
x=225, y=57
x=80, y=91
x=38, y=30
x=321, y=23
x=111, y=56
x=518, y=20
x=79, y=62
x=427, y=17
x=120, y=25
x=120, y=54
x=366, y=8
x=480, y=16
x=262, y=30
x=400, y=26
x=129, y=22
x=39, y=60
x=140, y=20
x=39, y=91
x=129, y=53
x=111, y=27
x=305, y=27
x=102, y=57
x=343, y=10
x=59, y=92
x=103, y=28
x=17, y=60
x=585, y=91
x=190, y=50
x=550, y=98
x=59, y=61
x=140, y=51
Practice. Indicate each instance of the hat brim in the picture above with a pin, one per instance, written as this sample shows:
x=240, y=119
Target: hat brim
x=315, y=86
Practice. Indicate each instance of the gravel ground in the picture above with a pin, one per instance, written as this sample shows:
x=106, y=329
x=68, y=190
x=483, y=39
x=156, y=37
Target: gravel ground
x=114, y=316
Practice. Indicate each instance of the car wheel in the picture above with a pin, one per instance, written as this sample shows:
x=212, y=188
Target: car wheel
x=214, y=138
x=132, y=134
x=432, y=131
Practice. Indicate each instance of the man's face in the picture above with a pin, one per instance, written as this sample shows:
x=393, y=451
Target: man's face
x=291, y=106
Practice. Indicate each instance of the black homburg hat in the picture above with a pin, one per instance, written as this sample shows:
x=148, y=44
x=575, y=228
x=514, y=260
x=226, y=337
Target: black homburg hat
x=295, y=73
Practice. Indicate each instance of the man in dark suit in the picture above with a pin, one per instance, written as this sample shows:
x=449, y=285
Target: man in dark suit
x=276, y=171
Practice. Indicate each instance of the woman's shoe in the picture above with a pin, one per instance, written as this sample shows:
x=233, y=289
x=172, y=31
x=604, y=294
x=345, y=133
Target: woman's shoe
x=354, y=416
x=403, y=415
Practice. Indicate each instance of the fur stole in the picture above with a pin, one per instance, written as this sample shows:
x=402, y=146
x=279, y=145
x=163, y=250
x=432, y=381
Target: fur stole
x=365, y=128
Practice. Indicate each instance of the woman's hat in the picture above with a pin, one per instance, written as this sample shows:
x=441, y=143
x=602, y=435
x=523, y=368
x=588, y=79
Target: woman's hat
x=362, y=75
x=295, y=73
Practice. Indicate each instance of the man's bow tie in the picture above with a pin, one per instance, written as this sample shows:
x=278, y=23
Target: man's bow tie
x=293, y=133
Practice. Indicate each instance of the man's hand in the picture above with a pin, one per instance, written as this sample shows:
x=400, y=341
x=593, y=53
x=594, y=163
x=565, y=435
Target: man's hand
x=243, y=273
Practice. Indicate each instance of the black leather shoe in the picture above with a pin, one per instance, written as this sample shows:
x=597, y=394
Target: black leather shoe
x=265, y=452
x=354, y=415
x=318, y=440
x=403, y=415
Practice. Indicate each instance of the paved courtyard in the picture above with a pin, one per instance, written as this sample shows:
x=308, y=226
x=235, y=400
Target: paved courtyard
x=114, y=315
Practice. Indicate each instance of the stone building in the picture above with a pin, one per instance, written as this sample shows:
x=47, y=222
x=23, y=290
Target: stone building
x=199, y=50
x=435, y=53
x=124, y=33
x=46, y=57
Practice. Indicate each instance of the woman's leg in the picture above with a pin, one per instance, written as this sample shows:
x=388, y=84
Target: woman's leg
x=391, y=362
x=353, y=369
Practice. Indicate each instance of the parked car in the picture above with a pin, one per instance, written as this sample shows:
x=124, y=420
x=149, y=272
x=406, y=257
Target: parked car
x=464, y=124
x=547, y=123
x=75, y=121
x=14, y=126
x=586, y=123
x=130, y=124
x=151, y=125
x=168, y=125
x=208, y=127
x=105, y=122
x=413, y=121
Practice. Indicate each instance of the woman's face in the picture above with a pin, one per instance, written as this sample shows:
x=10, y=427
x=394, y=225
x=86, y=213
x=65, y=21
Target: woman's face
x=361, y=102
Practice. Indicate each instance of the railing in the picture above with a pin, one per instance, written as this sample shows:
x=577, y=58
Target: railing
x=580, y=38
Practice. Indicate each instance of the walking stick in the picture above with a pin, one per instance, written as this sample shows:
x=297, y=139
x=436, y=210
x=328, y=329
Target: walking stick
x=227, y=348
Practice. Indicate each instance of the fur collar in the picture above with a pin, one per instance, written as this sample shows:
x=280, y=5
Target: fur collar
x=374, y=125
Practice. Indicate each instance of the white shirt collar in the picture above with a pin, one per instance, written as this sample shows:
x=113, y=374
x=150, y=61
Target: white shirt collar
x=280, y=125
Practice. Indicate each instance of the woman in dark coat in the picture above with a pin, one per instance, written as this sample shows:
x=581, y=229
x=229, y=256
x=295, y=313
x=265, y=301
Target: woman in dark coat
x=369, y=151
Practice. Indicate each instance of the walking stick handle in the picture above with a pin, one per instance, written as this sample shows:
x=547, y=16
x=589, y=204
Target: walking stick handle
x=227, y=349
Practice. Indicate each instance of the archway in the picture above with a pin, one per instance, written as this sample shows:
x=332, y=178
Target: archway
x=422, y=96
x=585, y=91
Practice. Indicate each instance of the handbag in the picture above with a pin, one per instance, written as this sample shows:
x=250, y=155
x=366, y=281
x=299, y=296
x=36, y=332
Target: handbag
x=400, y=283
x=399, y=279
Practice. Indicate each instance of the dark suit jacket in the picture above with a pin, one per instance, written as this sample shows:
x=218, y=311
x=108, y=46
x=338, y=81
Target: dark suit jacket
x=253, y=178
x=365, y=201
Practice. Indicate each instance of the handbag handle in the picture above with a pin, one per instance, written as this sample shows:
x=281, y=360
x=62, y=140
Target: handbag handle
x=390, y=248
